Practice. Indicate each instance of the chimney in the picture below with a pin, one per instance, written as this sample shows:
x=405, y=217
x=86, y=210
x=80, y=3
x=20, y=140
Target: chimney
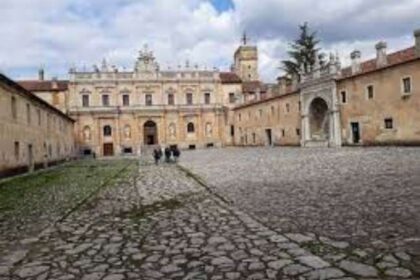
x=41, y=74
x=54, y=83
x=355, y=61
x=381, y=58
x=417, y=37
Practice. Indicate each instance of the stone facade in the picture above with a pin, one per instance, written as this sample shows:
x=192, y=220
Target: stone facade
x=274, y=120
x=119, y=112
x=33, y=134
x=374, y=102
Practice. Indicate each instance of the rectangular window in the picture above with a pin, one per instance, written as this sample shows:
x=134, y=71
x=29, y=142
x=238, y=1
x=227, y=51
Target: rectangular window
x=126, y=100
x=369, y=90
x=189, y=98
x=272, y=110
x=232, y=130
x=343, y=95
x=105, y=100
x=85, y=100
x=14, y=107
x=231, y=98
x=389, y=123
x=287, y=107
x=28, y=113
x=149, y=101
x=207, y=98
x=253, y=138
x=300, y=106
x=297, y=131
x=239, y=117
x=406, y=85
x=38, y=112
x=17, y=150
x=283, y=132
x=171, y=100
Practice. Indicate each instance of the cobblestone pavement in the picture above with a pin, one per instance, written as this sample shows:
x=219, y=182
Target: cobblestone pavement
x=368, y=198
x=164, y=224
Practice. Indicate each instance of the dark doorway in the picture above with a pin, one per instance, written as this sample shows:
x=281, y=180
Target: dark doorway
x=150, y=133
x=108, y=149
x=269, y=138
x=355, y=131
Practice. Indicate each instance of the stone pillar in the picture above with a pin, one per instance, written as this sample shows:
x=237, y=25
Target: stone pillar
x=381, y=57
x=305, y=131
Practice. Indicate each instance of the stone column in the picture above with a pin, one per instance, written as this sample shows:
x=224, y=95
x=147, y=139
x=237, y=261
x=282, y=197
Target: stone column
x=305, y=130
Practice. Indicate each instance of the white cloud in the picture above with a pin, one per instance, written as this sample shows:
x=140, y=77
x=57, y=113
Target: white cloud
x=60, y=33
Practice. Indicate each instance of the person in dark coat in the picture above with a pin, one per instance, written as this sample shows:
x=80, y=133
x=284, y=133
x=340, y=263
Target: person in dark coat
x=167, y=154
x=157, y=154
x=176, y=153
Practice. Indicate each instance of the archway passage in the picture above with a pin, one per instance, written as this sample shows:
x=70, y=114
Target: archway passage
x=319, y=120
x=150, y=133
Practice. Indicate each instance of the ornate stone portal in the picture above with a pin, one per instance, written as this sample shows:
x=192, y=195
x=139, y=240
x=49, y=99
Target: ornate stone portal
x=320, y=112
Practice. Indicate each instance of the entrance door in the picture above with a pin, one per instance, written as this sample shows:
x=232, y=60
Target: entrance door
x=150, y=133
x=30, y=158
x=108, y=149
x=269, y=138
x=355, y=129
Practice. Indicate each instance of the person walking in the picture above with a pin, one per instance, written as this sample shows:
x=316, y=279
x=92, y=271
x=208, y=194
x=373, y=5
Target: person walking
x=157, y=153
x=176, y=153
x=167, y=154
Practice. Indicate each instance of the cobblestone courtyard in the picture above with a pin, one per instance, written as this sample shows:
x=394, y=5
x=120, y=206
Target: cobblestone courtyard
x=249, y=216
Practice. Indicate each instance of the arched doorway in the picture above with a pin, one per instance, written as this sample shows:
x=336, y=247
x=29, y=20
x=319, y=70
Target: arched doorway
x=319, y=120
x=150, y=133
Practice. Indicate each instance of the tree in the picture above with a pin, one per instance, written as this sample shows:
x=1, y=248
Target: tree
x=302, y=53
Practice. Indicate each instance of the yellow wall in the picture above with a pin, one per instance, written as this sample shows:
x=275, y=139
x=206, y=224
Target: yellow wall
x=388, y=102
x=52, y=130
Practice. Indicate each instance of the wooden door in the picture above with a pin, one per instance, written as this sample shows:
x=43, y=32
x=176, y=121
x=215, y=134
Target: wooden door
x=108, y=149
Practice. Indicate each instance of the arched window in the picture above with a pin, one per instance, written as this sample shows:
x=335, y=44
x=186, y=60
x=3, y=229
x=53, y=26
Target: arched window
x=107, y=130
x=190, y=127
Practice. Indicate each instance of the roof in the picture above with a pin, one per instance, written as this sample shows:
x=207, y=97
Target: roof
x=230, y=78
x=263, y=100
x=393, y=59
x=253, y=86
x=38, y=85
x=31, y=96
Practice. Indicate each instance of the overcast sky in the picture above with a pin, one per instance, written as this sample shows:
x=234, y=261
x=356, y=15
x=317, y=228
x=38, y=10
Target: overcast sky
x=58, y=34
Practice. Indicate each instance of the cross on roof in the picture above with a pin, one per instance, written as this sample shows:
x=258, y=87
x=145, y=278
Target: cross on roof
x=244, y=39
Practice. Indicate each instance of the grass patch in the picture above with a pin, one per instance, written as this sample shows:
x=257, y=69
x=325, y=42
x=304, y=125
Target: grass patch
x=49, y=194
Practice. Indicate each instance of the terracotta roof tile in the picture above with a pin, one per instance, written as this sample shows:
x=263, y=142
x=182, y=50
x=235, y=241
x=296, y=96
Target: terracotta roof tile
x=253, y=86
x=230, y=78
x=368, y=66
x=35, y=86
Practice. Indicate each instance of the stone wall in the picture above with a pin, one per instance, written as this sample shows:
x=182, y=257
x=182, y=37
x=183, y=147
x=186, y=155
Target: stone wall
x=32, y=133
x=388, y=102
x=278, y=116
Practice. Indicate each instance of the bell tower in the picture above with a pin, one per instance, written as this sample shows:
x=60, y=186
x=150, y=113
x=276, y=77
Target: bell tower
x=246, y=61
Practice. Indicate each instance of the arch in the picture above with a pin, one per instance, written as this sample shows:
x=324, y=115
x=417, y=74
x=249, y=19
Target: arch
x=190, y=127
x=87, y=133
x=150, y=133
x=319, y=121
x=107, y=130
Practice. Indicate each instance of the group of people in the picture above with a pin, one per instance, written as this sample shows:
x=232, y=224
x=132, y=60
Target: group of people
x=171, y=154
